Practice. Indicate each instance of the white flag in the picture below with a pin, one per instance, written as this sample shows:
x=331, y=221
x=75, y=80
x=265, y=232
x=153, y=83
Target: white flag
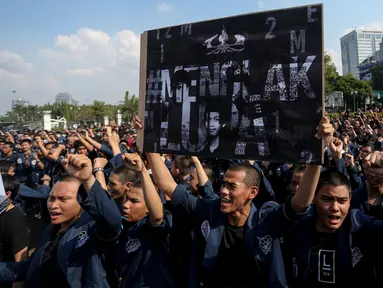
x=2, y=190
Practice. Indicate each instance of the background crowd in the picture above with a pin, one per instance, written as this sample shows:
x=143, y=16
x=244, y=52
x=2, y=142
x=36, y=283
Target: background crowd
x=86, y=208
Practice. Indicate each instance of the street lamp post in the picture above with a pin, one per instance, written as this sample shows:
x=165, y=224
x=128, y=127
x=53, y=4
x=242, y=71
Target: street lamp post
x=354, y=93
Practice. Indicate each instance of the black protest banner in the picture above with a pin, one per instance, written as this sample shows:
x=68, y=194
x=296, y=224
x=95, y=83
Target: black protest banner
x=244, y=87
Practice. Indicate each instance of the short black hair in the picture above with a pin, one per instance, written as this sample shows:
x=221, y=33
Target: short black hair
x=29, y=141
x=371, y=145
x=55, y=145
x=334, y=178
x=125, y=174
x=10, y=144
x=5, y=165
x=209, y=171
x=252, y=177
x=184, y=164
x=78, y=144
x=11, y=184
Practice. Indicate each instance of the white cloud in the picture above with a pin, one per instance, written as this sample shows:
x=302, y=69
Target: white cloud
x=89, y=64
x=336, y=58
x=30, y=84
x=261, y=4
x=17, y=74
x=13, y=62
x=97, y=48
x=81, y=72
x=163, y=7
x=70, y=43
x=377, y=25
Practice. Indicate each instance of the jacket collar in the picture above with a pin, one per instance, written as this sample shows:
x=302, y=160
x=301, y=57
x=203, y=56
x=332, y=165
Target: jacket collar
x=215, y=231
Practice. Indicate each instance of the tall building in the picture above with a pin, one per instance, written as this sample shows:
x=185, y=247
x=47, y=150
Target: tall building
x=356, y=47
x=379, y=54
x=66, y=98
x=365, y=68
x=19, y=102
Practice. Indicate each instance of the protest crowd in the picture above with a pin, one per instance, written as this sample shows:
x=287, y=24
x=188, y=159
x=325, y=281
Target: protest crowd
x=87, y=208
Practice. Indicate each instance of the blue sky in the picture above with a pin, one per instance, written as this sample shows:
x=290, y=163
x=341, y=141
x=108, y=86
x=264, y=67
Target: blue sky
x=39, y=63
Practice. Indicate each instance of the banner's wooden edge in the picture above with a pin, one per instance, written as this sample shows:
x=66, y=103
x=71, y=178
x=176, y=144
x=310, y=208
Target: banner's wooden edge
x=142, y=88
x=323, y=79
x=239, y=15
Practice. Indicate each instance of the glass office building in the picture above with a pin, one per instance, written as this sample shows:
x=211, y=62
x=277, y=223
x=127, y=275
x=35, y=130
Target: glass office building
x=356, y=47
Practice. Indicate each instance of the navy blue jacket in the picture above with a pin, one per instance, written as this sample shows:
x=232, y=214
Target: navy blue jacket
x=11, y=158
x=142, y=255
x=359, y=199
x=266, y=192
x=263, y=230
x=31, y=175
x=41, y=193
x=80, y=248
x=359, y=248
x=207, y=191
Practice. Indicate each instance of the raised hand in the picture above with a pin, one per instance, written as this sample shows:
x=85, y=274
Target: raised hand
x=77, y=134
x=78, y=166
x=114, y=137
x=100, y=162
x=336, y=147
x=137, y=122
x=195, y=159
x=39, y=141
x=108, y=130
x=350, y=160
x=46, y=179
x=86, y=136
x=325, y=131
x=134, y=162
x=374, y=160
x=373, y=168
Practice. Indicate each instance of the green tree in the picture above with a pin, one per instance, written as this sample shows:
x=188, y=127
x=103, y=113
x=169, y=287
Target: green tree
x=130, y=107
x=99, y=110
x=353, y=87
x=377, y=77
x=84, y=113
x=22, y=114
x=331, y=76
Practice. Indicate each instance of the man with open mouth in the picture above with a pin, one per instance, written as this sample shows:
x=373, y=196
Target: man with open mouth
x=336, y=246
x=236, y=245
x=84, y=218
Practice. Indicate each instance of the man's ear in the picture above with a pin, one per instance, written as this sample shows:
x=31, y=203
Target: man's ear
x=253, y=192
x=8, y=194
x=128, y=185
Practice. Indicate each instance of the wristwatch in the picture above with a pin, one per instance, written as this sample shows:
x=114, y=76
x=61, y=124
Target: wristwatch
x=95, y=170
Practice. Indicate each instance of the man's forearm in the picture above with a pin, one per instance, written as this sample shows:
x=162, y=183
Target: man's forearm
x=306, y=189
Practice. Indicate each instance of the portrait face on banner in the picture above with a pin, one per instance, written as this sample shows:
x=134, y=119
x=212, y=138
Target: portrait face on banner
x=244, y=87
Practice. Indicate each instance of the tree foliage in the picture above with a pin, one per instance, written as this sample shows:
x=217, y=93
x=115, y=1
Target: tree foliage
x=94, y=112
x=347, y=84
x=377, y=77
x=130, y=106
x=351, y=86
x=330, y=74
